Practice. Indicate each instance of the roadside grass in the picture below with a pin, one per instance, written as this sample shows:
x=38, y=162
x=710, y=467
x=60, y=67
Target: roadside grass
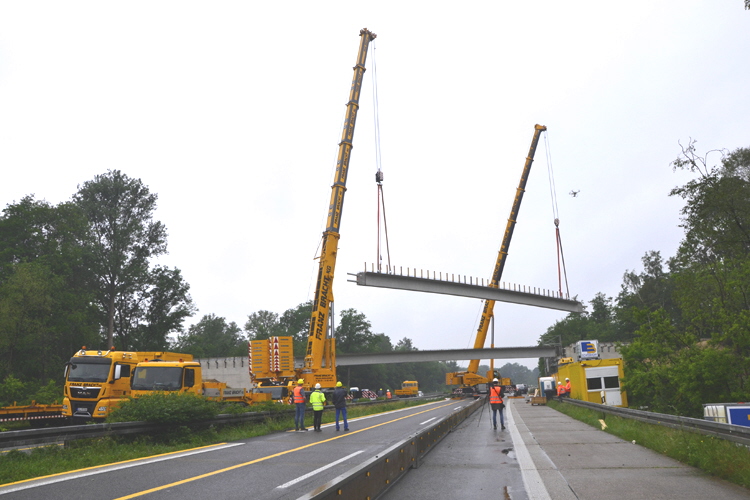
x=49, y=460
x=715, y=456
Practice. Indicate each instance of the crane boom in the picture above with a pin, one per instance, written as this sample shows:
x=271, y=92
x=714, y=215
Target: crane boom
x=320, y=357
x=470, y=377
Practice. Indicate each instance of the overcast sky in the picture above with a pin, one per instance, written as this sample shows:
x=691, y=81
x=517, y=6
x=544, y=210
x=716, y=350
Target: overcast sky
x=232, y=112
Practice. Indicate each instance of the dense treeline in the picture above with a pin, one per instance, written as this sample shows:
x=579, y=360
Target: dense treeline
x=685, y=322
x=81, y=273
x=353, y=335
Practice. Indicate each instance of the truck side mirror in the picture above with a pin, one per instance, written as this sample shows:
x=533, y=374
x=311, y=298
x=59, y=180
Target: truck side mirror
x=189, y=377
x=118, y=371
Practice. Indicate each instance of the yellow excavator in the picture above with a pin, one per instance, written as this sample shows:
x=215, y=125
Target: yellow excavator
x=469, y=379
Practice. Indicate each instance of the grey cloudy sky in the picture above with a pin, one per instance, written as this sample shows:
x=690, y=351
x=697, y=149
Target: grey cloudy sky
x=232, y=111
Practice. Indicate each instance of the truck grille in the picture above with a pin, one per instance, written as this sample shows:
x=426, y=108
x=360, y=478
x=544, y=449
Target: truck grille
x=85, y=392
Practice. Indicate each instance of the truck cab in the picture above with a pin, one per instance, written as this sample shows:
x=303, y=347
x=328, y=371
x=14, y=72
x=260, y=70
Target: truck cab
x=96, y=381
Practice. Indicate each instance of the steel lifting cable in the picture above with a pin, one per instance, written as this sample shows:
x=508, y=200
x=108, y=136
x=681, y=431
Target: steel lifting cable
x=555, y=214
x=378, y=164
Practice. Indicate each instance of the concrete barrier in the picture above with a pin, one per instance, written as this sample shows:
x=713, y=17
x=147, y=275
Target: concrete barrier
x=376, y=475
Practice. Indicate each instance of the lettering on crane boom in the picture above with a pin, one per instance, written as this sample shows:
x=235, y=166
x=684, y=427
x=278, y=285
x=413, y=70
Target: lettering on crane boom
x=322, y=304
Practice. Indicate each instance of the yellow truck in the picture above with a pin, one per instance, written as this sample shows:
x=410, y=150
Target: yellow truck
x=157, y=375
x=96, y=381
x=409, y=389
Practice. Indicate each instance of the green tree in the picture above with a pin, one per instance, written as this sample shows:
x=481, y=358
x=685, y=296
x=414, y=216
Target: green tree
x=262, y=325
x=123, y=236
x=45, y=305
x=212, y=337
x=353, y=333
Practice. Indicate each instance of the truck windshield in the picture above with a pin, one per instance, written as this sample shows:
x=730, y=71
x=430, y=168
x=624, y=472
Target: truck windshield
x=156, y=378
x=89, y=370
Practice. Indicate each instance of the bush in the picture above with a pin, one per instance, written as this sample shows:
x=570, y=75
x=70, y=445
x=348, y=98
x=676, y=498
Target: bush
x=48, y=394
x=13, y=390
x=165, y=408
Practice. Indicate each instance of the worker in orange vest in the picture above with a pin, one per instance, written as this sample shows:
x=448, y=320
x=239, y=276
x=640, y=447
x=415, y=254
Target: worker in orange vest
x=497, y=404
x=299, y=406
x=567, y=387
x=388, y=394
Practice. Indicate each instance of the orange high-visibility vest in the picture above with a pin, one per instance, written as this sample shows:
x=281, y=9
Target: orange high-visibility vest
x=567, y=387
x=298, y=397
x=495, y=397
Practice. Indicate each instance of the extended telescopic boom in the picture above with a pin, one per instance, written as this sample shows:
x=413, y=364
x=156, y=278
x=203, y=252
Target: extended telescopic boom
x=470, y=377
x=320, y=358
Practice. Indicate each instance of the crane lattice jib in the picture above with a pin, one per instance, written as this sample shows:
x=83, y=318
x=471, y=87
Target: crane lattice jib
x=489, y=305
x=317, y=354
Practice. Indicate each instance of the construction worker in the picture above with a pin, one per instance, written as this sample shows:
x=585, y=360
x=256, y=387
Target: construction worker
x=567, y=387
x=299, y=406
x=560, y=391
x=497, y=404
x=388, y=394
x=339, y=402
x=318, y=400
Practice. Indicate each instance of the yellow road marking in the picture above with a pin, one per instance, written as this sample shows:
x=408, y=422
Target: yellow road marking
x=262, y=459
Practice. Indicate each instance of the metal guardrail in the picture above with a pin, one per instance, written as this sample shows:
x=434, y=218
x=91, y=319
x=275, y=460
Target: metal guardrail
x=729, y=432
x=376, y=475
x=54, y=435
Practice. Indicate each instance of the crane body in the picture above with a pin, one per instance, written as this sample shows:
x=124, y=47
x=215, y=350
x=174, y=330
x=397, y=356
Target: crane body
x=470, y=377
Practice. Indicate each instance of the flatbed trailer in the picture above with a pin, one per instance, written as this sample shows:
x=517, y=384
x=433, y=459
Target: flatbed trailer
x=36, y=414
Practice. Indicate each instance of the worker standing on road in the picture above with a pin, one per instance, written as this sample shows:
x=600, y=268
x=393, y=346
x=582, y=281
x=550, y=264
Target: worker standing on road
x=567, y=388
x=318, y=400
x=299, y=406
x=497, y=404
x=339, y=402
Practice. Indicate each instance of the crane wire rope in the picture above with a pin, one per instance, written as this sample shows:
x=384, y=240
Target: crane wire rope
x=556, y=216
x=378, y=165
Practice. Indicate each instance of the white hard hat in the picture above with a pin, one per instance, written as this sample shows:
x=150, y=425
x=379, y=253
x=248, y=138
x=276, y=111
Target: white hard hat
x=494, y=380
x=567, y=379
x=559, y=383
x=317, y=386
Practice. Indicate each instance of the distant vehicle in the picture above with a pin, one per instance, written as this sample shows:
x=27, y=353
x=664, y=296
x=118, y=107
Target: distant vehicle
x=409, y=389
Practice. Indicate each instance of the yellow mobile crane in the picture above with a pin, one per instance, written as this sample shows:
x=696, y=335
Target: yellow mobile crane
x=470, y=378
x=320, y=357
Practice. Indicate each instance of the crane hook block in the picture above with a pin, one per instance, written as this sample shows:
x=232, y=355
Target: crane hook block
x=379, y=176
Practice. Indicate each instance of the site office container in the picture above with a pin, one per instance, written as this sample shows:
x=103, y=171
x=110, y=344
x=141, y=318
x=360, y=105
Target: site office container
x=595, y=380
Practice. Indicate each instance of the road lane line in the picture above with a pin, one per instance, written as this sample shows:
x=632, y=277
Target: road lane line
x=365, y=417
x=317, y=471
x=100, y=469
x=268, y=457
x=430, y=420
x=535, y=488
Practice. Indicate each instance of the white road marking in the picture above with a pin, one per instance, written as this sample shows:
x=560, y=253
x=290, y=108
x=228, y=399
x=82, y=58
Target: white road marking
x=531, y=479
x=107, y=468
x=316, y=471
x=430, y=420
